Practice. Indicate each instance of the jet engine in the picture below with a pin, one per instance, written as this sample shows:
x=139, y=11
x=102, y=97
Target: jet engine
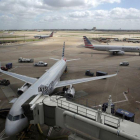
x=70, y=92
x=121, y=52
x=23, y=88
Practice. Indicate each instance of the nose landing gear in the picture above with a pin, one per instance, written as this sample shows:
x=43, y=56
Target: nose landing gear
x=66, y=70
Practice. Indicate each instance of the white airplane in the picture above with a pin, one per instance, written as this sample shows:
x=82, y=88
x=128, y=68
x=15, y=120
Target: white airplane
x=16, y=121
x=110, y=48
x=43, y=36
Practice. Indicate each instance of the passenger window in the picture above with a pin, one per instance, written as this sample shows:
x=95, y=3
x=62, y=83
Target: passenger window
x=16, y=118
x=10, y=117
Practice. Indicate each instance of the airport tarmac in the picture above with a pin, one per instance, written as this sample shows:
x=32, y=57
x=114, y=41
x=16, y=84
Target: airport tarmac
x=92, y=93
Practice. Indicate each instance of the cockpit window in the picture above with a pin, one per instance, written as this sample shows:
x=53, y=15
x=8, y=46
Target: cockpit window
x=10, y=117
x=15, y=118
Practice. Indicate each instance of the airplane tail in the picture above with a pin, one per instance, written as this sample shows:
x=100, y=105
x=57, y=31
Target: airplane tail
x=51, y=35
x=88, y=44
x=63, y=54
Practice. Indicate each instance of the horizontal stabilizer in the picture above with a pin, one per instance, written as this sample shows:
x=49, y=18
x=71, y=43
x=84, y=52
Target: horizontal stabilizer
x=55, y=59
x=72, y=60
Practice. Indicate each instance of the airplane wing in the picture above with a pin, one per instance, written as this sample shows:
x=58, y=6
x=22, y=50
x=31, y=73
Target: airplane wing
x=77, y=81
x=114, y=50
x=26, y=79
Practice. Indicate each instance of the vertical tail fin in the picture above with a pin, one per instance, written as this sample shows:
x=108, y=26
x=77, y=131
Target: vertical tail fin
x=63, y=52
x=87, y=42
x=51, y=35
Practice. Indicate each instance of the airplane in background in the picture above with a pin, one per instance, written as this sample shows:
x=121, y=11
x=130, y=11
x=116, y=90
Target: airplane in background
x=110, y=48
x=43, y=36
x=16, y=120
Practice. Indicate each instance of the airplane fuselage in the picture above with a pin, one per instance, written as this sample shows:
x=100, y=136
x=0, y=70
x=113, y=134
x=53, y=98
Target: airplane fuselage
x=41, y=36
x=16, y=120
x=109, y=48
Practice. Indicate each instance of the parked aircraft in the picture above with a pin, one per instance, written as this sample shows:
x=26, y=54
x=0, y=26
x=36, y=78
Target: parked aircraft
x=110, y=48
x=16, y=120
x=43, y=36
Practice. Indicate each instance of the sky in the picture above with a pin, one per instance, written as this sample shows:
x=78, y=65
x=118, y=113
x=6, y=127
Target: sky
x=69, y=14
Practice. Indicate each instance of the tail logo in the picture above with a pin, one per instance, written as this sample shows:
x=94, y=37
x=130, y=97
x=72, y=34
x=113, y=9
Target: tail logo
x=51, y=35
x=63, y=52
x=87, y=42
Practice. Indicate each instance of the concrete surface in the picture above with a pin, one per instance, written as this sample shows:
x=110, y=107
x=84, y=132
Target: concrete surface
x=128, y=78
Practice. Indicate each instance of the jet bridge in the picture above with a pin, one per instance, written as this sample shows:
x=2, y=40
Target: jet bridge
x=84, y=123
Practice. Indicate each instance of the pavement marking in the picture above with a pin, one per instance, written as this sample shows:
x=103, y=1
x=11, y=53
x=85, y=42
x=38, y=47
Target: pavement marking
x=9, y=70
x=2, y=134
x=126, y=99
x=137, y=102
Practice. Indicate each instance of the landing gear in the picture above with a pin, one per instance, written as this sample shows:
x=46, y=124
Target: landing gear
x=114, y=53
x=65, y=89
x=66, y=69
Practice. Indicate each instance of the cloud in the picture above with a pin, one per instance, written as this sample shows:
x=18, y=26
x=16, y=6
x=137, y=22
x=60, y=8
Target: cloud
x=122, y=13
x=77, y=3
x=65, y=14
x=53, y=18
x=115, y=13
x=78, y=14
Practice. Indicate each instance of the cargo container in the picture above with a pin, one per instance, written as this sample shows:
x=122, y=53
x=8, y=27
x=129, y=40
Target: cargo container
x=100, y=73
x=88, y=73
x=125, y=114
x=9, y=65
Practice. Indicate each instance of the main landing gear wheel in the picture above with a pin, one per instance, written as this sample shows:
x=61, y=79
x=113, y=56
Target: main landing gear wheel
x=66, y=70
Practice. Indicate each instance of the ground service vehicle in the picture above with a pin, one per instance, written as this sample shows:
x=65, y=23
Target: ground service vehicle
x=4, y=82
x=40, y=63
x=124, y=63
x=4, y=68
x=88, y=73
x=25, y=60
x=9, y=65
x=125, y=114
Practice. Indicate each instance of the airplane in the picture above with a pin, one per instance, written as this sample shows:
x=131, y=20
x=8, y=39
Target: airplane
x=16, y=120
x=110, y=48
x=43, y=36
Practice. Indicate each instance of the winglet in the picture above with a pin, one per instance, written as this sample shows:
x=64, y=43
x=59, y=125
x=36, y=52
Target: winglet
x=72, y=60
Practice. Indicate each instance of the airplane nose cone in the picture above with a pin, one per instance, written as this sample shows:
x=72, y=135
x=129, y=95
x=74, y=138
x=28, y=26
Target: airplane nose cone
x=10, y=129
x=14, y=127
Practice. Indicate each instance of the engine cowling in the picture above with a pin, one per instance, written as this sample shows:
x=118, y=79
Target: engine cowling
x=121, y=52
x=21, y=90
x=70, y=93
